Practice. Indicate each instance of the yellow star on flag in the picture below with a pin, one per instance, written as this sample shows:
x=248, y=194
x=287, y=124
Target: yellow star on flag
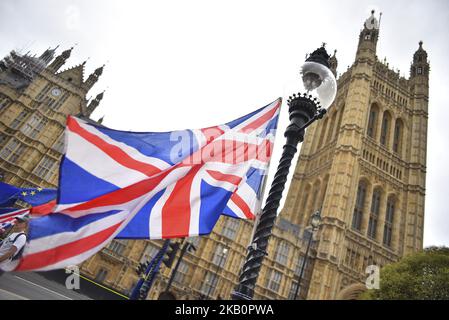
x=39, y=189
x=33, y=193
x=24, y=193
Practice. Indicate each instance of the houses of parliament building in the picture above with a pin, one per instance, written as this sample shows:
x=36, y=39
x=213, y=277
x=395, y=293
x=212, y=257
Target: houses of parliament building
x=363, y=165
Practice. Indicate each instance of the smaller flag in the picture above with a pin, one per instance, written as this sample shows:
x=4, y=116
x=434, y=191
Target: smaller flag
x=9, y=194
x=8, y=215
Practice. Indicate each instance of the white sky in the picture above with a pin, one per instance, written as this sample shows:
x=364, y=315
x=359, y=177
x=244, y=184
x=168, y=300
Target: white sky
x=192, y=64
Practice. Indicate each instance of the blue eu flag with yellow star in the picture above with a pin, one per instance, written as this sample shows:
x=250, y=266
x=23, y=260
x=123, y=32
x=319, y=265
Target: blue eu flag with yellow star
x=9, y=194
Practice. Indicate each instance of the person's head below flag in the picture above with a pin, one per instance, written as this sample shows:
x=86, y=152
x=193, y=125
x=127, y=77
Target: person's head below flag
x=21, y=223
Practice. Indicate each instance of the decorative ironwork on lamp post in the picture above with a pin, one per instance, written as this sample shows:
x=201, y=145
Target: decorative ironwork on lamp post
x=316, y=93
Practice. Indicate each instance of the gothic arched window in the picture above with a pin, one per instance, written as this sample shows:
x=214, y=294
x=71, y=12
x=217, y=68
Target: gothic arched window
x=385, y=130
x=282, y=251
x=359, y=206
x=374, y=214
x=389, y=218
x=372, y=121
x=4, y=101
x=397, y=139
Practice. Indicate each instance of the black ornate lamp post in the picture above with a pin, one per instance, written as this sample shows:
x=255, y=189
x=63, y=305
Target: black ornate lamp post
x=315, y=221
x=317, y=92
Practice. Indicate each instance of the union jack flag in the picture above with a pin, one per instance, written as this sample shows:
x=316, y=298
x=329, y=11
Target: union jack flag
x=116, y=184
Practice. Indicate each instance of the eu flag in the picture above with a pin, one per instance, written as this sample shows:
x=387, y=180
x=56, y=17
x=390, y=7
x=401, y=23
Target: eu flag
x=33, y=196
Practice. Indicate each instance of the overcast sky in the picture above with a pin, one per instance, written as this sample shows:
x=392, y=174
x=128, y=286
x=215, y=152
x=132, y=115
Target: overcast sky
x=192, y=64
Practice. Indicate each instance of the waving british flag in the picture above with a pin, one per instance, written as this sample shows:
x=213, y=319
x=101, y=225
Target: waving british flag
x=116, y=184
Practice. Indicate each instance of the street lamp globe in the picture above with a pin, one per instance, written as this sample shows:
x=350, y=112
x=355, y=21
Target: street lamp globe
x=318, y=83
x=315, y=220
x=317, y=91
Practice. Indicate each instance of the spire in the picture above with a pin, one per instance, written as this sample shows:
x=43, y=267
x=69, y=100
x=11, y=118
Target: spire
x=66, y=54
x=60, y=60
x=48, y=55
x=99, y=71
x=93, y=78
x=420, y=65
x=99, y=96
x=368, y=36
x=333, y=63
x=94, y=103
x=419, y=80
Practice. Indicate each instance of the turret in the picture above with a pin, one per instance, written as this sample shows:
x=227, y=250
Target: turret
x=333, y=63
x=419, y=78
x=419, y=69
x=417, y=151
x=48, y=55
x=93, y=78
x=368, y=37
x=94, y=103
x=60, y=60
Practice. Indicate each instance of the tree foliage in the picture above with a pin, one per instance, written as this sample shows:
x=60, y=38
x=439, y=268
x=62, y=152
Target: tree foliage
x=420, y=276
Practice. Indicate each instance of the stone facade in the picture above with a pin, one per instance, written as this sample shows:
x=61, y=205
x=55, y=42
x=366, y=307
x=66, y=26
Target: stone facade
x=35, y=99
x=364, y=165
